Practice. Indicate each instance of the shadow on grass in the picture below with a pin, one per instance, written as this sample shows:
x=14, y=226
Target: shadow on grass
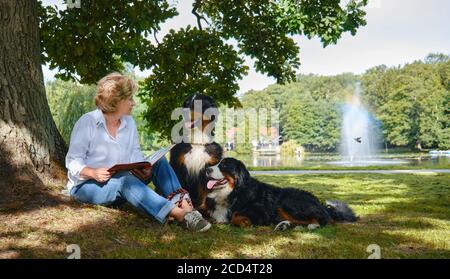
x=354, y=242
x=138, y=238
x=402, y=194
x=21, y=190
x=406, y=213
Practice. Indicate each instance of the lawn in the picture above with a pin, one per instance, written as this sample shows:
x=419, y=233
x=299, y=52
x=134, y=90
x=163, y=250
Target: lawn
x=331, y=167
x=406, y=215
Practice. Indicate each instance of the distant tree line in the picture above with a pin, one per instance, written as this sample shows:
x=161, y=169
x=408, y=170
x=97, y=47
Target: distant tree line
x=411, y=104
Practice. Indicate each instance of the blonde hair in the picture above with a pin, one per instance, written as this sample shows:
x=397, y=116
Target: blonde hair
x=112, y=89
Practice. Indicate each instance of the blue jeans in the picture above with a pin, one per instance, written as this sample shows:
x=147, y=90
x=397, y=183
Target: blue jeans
x=125, y=187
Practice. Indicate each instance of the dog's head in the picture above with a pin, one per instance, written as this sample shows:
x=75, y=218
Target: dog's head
x=202, y=111
x=228, y=172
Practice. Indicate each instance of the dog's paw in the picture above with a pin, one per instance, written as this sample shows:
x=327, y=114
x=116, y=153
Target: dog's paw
x=312, y=227
x=221, y=220
x=282, y=226
x=240, y=220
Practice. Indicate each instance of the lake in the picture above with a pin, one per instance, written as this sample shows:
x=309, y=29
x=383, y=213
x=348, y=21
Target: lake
x=330, y=159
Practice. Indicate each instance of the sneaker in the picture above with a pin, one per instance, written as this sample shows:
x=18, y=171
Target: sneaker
x=194, y=221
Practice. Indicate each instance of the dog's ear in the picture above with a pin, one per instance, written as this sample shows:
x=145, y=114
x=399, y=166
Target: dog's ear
x=189, y=101
x=242, y=175
x=243, y=192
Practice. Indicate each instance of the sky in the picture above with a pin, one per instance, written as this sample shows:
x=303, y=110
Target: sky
x=397, y=32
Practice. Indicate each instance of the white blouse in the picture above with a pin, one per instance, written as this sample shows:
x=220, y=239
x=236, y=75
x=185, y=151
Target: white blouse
x=92, y=146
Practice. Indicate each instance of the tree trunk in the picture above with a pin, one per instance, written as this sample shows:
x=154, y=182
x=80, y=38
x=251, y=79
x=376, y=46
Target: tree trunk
x=29, y=139
x=419, y=146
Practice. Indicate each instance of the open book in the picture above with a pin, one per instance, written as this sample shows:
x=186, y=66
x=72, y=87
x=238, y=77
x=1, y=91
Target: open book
x=136, y=168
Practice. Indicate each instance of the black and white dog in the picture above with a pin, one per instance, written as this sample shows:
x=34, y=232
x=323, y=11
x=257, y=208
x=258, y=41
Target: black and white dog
x=190, y=158
x=244, y=201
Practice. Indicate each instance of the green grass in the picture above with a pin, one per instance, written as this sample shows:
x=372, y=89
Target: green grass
x=331, y=167
x=407, y=215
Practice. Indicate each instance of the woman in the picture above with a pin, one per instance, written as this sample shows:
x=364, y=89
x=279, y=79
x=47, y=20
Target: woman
x=108, y=136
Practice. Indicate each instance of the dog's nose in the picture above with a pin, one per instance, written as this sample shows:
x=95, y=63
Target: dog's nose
x=209, y=171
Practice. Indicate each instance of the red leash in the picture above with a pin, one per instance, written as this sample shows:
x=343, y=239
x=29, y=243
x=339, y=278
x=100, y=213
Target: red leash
x=182, y=193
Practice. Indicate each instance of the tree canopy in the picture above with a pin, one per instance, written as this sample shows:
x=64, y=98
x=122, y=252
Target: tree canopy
x=86, y=43
x=412, y=101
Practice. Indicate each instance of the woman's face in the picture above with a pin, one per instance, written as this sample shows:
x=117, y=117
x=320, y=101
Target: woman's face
x=125, y=107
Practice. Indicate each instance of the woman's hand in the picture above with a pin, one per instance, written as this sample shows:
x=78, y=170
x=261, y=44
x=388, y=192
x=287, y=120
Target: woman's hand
x=100, y=174
x=147, y=171
x=143, y=173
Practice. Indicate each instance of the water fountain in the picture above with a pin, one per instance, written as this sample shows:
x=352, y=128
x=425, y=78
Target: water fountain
x=357, y=142
x=360, y=136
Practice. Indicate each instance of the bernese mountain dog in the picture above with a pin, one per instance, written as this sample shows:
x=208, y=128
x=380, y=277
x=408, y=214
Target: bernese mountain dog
x=238, y=198
x=190, y=158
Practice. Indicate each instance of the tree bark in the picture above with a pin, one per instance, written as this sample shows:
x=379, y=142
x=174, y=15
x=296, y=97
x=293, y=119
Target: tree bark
x=419, y=146
x=29, y=139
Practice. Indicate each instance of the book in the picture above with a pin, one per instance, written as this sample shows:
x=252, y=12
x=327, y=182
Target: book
x=137, y=167
x=152, y=159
